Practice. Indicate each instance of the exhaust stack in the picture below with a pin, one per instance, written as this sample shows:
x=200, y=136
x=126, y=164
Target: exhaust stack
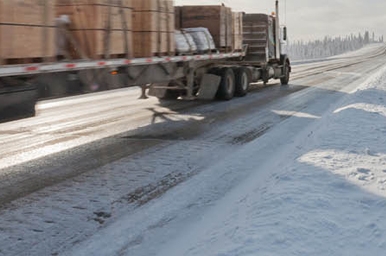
x=277, y=28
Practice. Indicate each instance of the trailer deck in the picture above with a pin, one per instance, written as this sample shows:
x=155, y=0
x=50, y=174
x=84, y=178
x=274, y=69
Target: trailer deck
x=33, y=69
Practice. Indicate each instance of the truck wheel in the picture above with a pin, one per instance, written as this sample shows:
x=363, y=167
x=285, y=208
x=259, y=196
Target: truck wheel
x=286, y=74
x=242, y=81
x=226, y=90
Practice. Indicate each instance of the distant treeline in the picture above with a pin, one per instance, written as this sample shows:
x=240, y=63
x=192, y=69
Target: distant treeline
x=299, y=50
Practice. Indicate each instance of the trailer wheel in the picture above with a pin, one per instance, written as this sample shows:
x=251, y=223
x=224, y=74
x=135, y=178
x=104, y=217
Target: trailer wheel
x=226, y=90
x=286, y=74
x=243, y=80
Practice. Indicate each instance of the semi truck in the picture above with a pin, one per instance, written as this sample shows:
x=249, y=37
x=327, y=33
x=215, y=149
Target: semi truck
x=220, y=75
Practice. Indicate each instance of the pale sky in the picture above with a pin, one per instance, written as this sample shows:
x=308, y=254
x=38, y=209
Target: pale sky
x=316, y=18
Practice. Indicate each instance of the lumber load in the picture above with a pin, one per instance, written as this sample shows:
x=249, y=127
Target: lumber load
x=26, y=31
x=153, y=28
x=97, y=28
x=218, y=19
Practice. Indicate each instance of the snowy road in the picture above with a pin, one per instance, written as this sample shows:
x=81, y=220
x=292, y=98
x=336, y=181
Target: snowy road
x=106, y=174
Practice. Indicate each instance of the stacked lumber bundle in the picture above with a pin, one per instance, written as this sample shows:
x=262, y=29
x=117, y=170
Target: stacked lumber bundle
x=218, y=19
x=98, y=28
x=26, y=31
x=153, y=26
x=237, y=34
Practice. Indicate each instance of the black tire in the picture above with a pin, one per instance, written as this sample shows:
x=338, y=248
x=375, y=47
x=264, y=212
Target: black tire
x=243, y=80
x=226, y=90
x=286, y=74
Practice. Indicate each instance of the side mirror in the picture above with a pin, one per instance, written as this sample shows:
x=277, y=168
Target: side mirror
x=285, y=34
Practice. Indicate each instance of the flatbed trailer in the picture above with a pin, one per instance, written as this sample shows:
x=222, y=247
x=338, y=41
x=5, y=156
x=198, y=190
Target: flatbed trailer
x=196, y=76
x=203, y=76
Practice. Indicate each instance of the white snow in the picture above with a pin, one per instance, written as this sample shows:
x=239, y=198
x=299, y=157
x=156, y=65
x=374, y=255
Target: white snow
x=322, y=197
x=318, y=189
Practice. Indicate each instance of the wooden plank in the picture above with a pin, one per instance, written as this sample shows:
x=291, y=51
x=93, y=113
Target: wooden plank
x=150, y=45
x=28, y=12
x=116, y=41
x=151, y=21
x=87, y=14
x=89, y=26
x=154, y=5
x=116, y=3
x=153, y=26
x=153, y=15
x=18, y=42
x=92, y=42
x=27, y=29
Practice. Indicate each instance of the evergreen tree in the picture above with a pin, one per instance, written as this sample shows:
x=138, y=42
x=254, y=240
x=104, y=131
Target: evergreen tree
x=326, y=47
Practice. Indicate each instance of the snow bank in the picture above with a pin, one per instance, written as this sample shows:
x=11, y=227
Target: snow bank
x=324, y=194
x=352, y=142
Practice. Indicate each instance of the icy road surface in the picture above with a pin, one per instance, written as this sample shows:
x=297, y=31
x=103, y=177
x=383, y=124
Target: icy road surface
x=297, y=170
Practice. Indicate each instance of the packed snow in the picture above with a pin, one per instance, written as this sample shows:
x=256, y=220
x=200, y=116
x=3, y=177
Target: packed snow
x=320, y=192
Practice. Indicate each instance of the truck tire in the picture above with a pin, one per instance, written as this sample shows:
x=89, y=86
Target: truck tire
x=286, y=76
x=286, y=69
x=243, y=80
x=226, y=90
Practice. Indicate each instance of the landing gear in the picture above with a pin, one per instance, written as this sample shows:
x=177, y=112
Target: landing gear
x=143, y=96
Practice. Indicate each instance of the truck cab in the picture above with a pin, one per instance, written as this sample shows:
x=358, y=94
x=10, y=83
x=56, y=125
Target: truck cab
x=263, y=40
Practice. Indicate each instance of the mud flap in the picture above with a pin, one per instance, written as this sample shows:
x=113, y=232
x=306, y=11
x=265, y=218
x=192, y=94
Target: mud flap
x=209, y=87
